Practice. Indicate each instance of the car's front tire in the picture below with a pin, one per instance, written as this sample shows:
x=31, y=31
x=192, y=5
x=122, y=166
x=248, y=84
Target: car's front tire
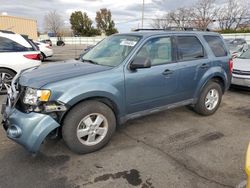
x=88, y=127
x=209, y=99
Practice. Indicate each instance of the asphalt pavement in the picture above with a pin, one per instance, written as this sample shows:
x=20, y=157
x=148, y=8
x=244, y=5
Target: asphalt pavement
x=172, y=149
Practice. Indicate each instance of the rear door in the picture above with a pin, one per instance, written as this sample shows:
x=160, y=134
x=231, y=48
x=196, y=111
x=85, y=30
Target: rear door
x=193, y=63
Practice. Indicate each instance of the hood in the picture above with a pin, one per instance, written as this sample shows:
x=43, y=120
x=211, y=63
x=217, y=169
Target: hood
x=58, y=71
x=241, y=64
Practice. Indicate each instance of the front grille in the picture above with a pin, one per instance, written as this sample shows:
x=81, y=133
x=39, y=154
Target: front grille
x=20, y=105
x=241, y=72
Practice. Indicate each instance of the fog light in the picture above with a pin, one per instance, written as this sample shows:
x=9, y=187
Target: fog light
x=14, y=131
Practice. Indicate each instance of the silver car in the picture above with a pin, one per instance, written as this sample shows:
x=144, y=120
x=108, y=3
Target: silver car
x=241, y=70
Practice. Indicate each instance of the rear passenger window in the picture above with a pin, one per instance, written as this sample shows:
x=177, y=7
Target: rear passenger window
x=7, y=45
x=216, y=44
x=189, y=48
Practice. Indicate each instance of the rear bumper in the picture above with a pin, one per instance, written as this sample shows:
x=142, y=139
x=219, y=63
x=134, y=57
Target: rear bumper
x=48, y=53
x=28, y=130
x=241, y=81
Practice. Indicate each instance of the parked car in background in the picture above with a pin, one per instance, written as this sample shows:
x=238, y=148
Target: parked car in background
x=16, y=53
x=85, y=50
x=60, y=43
x=241, y=70
x=45, y=49
x=236, y=46
x=123, y=77
x=47, y=41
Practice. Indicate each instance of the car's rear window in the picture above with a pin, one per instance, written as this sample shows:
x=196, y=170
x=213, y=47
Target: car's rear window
x=217, y=45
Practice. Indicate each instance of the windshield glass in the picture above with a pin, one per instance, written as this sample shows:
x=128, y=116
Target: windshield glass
x=235, y=48
x=112, y=50
x=245, y=55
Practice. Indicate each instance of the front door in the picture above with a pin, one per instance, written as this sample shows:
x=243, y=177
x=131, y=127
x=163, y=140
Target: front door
x=148, y=88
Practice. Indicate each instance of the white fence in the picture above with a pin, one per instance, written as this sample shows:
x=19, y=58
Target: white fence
x=94, y=40
x=78, y=40
x=245, y=36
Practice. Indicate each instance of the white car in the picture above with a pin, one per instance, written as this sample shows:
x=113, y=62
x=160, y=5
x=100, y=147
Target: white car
x=16, y=53
x=45, y=49
x=241, y=70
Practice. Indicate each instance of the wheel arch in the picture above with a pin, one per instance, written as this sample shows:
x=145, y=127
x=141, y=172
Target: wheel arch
x=216, y=77
x=105, y=100
x=1, y=67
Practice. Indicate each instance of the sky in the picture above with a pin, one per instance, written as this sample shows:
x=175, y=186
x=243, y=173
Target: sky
x=126, y=13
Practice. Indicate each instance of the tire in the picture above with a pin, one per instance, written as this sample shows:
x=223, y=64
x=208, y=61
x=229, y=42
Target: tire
x=42, y=57
x=82, y=118
x=6, y=77
x=205, y=105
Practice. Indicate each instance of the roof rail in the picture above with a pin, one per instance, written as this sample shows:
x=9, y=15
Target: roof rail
x=4, y=31
x=174, y=29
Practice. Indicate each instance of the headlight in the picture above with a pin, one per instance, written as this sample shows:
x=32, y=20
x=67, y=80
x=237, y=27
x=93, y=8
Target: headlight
x=33, y=96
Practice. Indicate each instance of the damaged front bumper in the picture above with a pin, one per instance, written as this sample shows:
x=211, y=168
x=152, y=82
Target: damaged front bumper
x=26, y=129
x=29, y=130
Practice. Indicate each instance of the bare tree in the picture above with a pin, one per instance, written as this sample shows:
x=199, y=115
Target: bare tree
x=180, y=17
x=53, y=22
x=161, y=23
x=232, y=15
x=204, y=13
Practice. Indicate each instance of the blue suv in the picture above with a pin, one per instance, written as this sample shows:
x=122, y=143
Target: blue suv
x=123, y=77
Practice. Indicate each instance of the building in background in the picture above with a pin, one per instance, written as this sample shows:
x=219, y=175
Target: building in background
x=24, y=26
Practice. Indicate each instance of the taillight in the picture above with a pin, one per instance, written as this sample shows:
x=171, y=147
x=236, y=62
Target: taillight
x=32, y=56
x=230, y=64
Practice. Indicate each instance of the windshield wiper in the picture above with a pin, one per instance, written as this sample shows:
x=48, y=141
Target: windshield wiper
x=90, y=61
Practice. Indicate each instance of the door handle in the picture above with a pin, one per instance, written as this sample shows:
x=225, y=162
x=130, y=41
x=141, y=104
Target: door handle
x=204, y=66
x=168, y=72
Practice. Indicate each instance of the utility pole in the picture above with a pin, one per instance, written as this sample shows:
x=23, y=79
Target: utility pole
x=142, y=18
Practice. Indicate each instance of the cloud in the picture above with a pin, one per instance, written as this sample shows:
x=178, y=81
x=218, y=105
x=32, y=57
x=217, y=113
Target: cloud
x=126, y=13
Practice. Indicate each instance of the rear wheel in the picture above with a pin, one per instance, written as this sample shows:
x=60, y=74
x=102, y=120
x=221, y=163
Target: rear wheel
x=88, y=127
x=6, y=77
x=209, y=100
x=42, y=57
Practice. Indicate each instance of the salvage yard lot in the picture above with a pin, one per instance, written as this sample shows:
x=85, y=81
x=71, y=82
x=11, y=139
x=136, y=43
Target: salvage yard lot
x=175, y=148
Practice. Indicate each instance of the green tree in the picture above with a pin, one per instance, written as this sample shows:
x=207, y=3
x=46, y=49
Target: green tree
x=81, y=24
x=104, y=22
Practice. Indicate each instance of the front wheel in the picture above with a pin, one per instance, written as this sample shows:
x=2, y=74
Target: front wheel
x=209, y=100
x=88, y=127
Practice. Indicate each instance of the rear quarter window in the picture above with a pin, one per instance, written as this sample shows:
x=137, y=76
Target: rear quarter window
x=217, y=45
x=7, y=45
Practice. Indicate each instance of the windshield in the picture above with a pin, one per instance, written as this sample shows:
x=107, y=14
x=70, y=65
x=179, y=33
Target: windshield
x=112, y=50
x=245, y=55
x=235, y=48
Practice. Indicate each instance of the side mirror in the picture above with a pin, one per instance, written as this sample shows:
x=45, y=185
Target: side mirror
x=140, y=62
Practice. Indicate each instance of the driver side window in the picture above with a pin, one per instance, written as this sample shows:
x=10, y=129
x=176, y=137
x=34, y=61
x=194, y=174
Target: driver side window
x=158, y=50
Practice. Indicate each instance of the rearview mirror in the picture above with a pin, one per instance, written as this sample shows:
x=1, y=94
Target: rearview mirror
x=140, y=62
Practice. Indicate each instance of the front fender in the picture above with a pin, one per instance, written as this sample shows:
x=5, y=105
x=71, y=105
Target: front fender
x=210, y=74
x=79, y=93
